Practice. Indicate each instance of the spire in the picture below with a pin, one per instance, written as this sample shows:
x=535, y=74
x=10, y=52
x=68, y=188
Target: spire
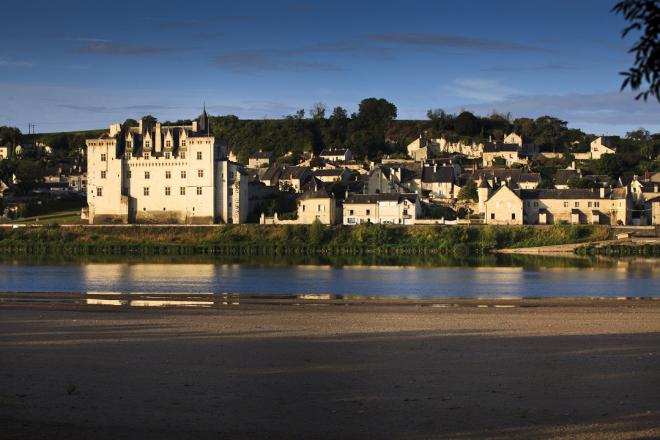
x=204, y=121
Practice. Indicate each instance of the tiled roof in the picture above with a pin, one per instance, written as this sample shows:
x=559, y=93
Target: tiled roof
x=432, y=174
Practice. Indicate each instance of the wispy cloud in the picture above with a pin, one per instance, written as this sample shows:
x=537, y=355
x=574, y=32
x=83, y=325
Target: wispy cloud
x=301, y=58
x=188, y=23
x=12, y=62
x=115, y=109
x=548, y=67
x=481, y=89
x=260, y=60
x=601, y=109
x=102, y=47
x=454, y=41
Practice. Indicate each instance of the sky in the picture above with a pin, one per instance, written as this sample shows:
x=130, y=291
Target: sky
x=75, y=65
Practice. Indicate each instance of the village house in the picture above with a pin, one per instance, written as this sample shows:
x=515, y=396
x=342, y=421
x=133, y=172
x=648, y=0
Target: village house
x=509, y=153
x=4, y=152
x=548, y=206
x=394, y=178
x=601, y=146
x=336, y=154
x=164, y=174
x=317, y=205
x=400, y=209
x=563, y=177
x=333, y=175
x=261, y=159
x=652, y=211
x=437, y=181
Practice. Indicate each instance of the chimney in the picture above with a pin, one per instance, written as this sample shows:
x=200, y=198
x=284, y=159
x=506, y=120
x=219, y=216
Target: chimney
x=602, y=192
x=158, y=138
x=140, y=126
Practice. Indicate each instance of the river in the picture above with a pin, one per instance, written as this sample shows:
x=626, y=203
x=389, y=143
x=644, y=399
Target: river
x=491, y=278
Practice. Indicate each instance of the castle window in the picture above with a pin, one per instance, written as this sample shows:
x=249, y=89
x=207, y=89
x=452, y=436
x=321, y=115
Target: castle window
x=103, y=174
x=565, y=204
x=167, y=155
x=182, y=190
x=168, y=143
x=183, y=155
x=99, y=192
x=145, y=155
x=145, y=190
x=103, y=157
x=129, y=174
x=147, y=175
x=199, y=190
x=183, y=142
x=168, y=174
x=199, y=155
x=200, y=173
x=147, y=144
x=368, y=212
x=597, y=204
x=167, y=190
x=577, y=204
x=183, y=174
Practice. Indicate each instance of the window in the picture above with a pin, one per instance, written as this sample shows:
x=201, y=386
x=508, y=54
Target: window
x=350, y=212
x=145, y=155
x=200, y=173
x=167, y=155
x=405, y=212
x=199, y=190
x=577, y=204
x=183, y=154
x=318, y=208
x=368, y=212
x=168, y=143
x=597, y=204
x=129, y=145
x=513, y=216
x=103, y=174
x=104, y=157
x=492, y=216
x=183, y=142
x=183, y=174
x=303, y=208
x=147, y=144
x=147, y=175
x=199, y=155
x=99, y=191
x=565, y=204
x=167, y=190
x=129, y=174
x=145, y=190
x=168, y=174
x=182, y=190
x=589, y=204
x=536, y=204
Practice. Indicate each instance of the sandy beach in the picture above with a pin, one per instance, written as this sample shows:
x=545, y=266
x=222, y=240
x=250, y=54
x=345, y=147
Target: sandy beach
x=576, y=369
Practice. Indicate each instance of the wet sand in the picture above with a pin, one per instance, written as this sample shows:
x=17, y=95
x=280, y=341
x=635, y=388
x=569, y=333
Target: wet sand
x=575, y=369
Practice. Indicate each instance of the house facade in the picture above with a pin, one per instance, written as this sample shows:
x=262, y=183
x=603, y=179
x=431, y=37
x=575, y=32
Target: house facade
x=336, y=154
x=399, y=209
x=163, y=174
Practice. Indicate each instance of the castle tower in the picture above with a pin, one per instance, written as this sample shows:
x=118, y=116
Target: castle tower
x=483, y=191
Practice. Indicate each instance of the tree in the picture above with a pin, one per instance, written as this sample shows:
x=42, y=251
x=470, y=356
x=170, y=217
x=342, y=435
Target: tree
x=469, y=192
x=467, y=124
x=317, y=111
x=610, y=165
x=371, y=122
x=316, y=232
x=643, y=16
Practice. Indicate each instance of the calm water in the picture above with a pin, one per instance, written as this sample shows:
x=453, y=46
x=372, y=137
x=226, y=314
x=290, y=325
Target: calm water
x=493, y=278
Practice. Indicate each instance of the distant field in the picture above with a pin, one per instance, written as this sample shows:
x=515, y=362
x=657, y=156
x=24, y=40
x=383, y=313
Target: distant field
x=61, y=217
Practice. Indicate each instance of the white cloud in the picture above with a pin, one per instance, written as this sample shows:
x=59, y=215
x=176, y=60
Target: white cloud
x=481, y=89
x=11, y=62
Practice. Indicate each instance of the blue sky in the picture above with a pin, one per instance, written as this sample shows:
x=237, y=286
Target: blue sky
x=70, y=65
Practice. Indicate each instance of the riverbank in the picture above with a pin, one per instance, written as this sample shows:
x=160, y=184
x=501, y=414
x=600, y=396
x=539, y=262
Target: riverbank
x=552, y=369
x=277, y=240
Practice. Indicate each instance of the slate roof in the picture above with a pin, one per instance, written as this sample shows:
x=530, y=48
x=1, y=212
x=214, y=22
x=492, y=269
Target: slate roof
x=563, y=176
x=370, y=199
x=431, y=174
x=568, y=194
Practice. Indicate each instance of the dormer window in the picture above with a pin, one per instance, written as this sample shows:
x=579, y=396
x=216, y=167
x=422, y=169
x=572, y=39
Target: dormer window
x=145, y=155
x=129, y=144
x=168, y=143
x=183, y=142
x=167, y=155
x=147, y=144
